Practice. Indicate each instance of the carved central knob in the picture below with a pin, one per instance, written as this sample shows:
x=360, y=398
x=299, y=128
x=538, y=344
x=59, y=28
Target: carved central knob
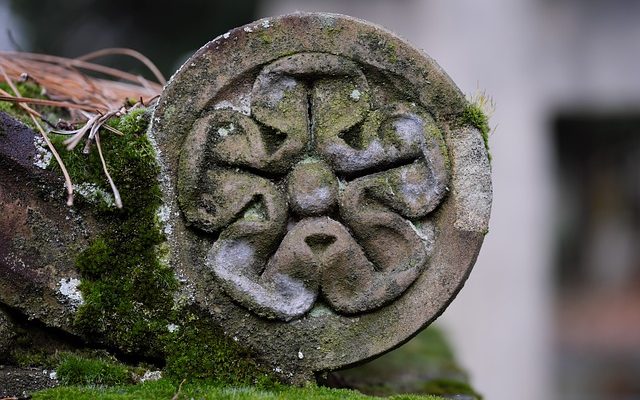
x=312, y=188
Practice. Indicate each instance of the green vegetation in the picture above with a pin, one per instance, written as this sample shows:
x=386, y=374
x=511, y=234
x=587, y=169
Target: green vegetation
x=26, y=89
x=82, y=367
x=77, y=370
x=164, y=389
x=127, y=290
x=474, y=116
x=197, y=350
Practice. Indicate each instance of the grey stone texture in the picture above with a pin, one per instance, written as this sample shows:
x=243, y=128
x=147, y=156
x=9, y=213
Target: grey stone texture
x=39, y=235
x=326, y=201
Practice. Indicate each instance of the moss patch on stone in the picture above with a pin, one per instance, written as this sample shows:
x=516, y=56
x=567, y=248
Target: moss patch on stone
x=26, y=89
x=165, y=389
x=474, y=116
x=127, y=290
x=197, y=350
x=80, y=367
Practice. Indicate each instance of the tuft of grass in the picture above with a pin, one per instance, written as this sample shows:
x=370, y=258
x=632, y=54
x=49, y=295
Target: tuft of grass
x=78, y=370
x=165, y=389
x=477, y=113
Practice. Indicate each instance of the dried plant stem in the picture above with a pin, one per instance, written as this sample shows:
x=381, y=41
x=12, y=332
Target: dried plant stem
x=177, y=395
x=127, y=52
x=31, y=112
x=69, y=62
x=72, y=84
x=45, y=102
x=114, y=189
x=8, y=97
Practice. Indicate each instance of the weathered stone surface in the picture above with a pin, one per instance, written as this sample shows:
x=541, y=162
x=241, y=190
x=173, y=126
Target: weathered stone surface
x=39, y=235
x=326, y=203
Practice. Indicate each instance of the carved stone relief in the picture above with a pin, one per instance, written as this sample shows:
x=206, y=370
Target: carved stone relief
x=313, y=194
x=330, y=204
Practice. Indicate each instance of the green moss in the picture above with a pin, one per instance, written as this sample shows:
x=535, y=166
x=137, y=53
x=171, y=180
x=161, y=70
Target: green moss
x=196, y=350
x=81, y=367
x=165, y=389
x=474, y=116
x=78, y=370
x=391, y=52
x=265, y=37
x=127, y=290
x=26, y=89
x=25, y=358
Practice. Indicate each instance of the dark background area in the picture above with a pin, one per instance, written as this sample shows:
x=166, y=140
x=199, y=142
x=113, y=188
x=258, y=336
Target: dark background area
x=168, y=32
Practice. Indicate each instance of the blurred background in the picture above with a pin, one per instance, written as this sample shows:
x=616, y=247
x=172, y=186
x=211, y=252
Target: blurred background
x=552, y=308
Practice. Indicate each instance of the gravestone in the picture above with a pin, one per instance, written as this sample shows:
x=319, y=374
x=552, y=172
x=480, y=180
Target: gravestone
x=326, y=199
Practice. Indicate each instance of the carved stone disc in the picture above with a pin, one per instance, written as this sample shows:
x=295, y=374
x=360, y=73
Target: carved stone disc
x=325, y=201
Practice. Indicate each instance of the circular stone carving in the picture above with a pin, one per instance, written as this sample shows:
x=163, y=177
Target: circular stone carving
x=330, y=203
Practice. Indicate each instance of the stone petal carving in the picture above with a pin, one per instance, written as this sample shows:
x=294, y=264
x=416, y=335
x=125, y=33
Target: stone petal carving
x=313, y=125
x=383, y=188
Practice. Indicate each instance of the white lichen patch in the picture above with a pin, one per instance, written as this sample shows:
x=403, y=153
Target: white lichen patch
x=355, y=95
x=172, y=328
x=241, y=105
x=164, y=214
x=426, y=231
x=43, y=155
x=226, y=35
x=248, y=29
x=68, y=288
x=300, y=355
x=224, y=131
x=151, y=376
x=94, y=194
x=266, y=24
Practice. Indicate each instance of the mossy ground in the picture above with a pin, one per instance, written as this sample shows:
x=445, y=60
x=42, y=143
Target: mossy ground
x=164, y=389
